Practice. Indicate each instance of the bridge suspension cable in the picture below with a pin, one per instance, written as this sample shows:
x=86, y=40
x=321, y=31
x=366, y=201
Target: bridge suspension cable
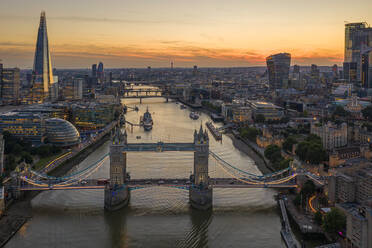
x=245, y=173
x=73, y=174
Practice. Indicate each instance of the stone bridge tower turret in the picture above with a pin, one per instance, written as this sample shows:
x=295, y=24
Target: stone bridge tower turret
x=116, y=191
x=201, y=194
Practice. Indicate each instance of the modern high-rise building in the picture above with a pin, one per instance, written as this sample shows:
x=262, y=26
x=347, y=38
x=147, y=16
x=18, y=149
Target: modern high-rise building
x=278, y=70
x=357, y=35
x=335, y=71
x=1, y=76
x=314, y=73
x=195, y=70
x=350, y=71
x=10, y=86
x=296, y=69
x=42, y=73
x=94, y=70
x=366, y=67
x=100, y=73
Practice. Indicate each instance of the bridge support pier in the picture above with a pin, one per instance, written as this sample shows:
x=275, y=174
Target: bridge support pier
x=201, y=198
x=116, y=197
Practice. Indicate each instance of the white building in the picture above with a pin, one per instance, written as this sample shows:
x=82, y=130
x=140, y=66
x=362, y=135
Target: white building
x=332, y=136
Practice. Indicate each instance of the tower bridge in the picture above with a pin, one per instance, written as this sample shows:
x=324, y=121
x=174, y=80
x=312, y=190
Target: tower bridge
x=118, y=187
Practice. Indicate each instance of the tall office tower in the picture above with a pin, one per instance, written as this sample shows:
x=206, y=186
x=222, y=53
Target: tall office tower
x=314, y=73
x=195, y=70
x=10, y=86
x=1, y=76
x=350, y=71
x=278, y=70
x=366, y=70
x=335, y=71
x=356, y=36
x=94, y=70
x=100, y=73
x=296, y=69
x=42, y=71
x=171, y=65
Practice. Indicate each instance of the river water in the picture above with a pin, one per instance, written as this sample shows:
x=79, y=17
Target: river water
x=157, y=217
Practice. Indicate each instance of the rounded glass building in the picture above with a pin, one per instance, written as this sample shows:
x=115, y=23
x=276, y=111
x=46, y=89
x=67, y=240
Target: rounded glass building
x=61, y=132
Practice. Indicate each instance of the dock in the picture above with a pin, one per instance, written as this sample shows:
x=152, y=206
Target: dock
x=286, y=228
x=216, y=134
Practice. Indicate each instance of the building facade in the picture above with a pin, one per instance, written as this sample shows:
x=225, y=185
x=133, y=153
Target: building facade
x=267, y=109
x=332, y=136
x=358, y=224
x=357, y=35
x=353, y=186
x=278, y=70
x=10, y=86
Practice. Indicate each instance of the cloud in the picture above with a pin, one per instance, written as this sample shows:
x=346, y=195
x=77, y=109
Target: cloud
x=15, y=44
x=160, y=53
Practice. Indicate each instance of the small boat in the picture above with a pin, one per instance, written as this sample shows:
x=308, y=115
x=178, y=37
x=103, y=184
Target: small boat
x=138, y=137
x=194, y=115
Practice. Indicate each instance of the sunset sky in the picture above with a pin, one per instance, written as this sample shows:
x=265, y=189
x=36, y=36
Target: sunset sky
x=208, y=33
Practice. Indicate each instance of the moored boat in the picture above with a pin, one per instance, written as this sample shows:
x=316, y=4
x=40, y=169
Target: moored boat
x=194, y=115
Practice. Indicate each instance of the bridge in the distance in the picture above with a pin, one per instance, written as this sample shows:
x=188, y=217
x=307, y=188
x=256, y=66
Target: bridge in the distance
x=148, y=93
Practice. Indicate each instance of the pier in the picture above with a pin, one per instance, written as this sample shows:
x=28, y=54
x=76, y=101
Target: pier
x=286, y=228
x=216, y=134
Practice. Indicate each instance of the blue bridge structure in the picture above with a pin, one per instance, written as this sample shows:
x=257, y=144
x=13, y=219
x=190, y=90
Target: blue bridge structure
x=117, y=188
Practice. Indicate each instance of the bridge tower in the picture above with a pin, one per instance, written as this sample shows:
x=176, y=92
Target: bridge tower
x=200, y=193
x=117, y=192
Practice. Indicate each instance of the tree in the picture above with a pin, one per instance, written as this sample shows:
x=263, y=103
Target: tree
x=367, y=113
x=249, y=133
x=318, y=218
x=340, y=111
x=10, y=163
x=284, y=163
x=260, y=118
x=311, y=150
x=334, y=221
x=273, y=153
x=297, y=200
x=288, y=143
x=25, y=156
x=308, y=189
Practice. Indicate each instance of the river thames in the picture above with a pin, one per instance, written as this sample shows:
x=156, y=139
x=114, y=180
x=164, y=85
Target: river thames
x=157, y=217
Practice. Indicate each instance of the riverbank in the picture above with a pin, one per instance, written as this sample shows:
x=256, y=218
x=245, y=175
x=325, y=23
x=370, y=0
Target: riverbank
x=259, y=161
x=20, y=211
x=15, y=217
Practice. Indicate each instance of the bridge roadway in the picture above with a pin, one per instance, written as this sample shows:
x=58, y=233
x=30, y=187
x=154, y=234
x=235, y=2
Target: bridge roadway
x=158, y=147
x=151, y=182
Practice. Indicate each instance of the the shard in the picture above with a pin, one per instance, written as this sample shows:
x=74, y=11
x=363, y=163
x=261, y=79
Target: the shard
x=42, y=71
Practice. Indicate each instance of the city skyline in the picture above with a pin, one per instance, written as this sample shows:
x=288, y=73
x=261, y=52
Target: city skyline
x=209, y=34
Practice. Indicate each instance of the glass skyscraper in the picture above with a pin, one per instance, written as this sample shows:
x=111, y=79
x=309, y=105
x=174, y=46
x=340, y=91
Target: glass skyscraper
x=278, y=70
x=357, y=36
x=42, y=71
